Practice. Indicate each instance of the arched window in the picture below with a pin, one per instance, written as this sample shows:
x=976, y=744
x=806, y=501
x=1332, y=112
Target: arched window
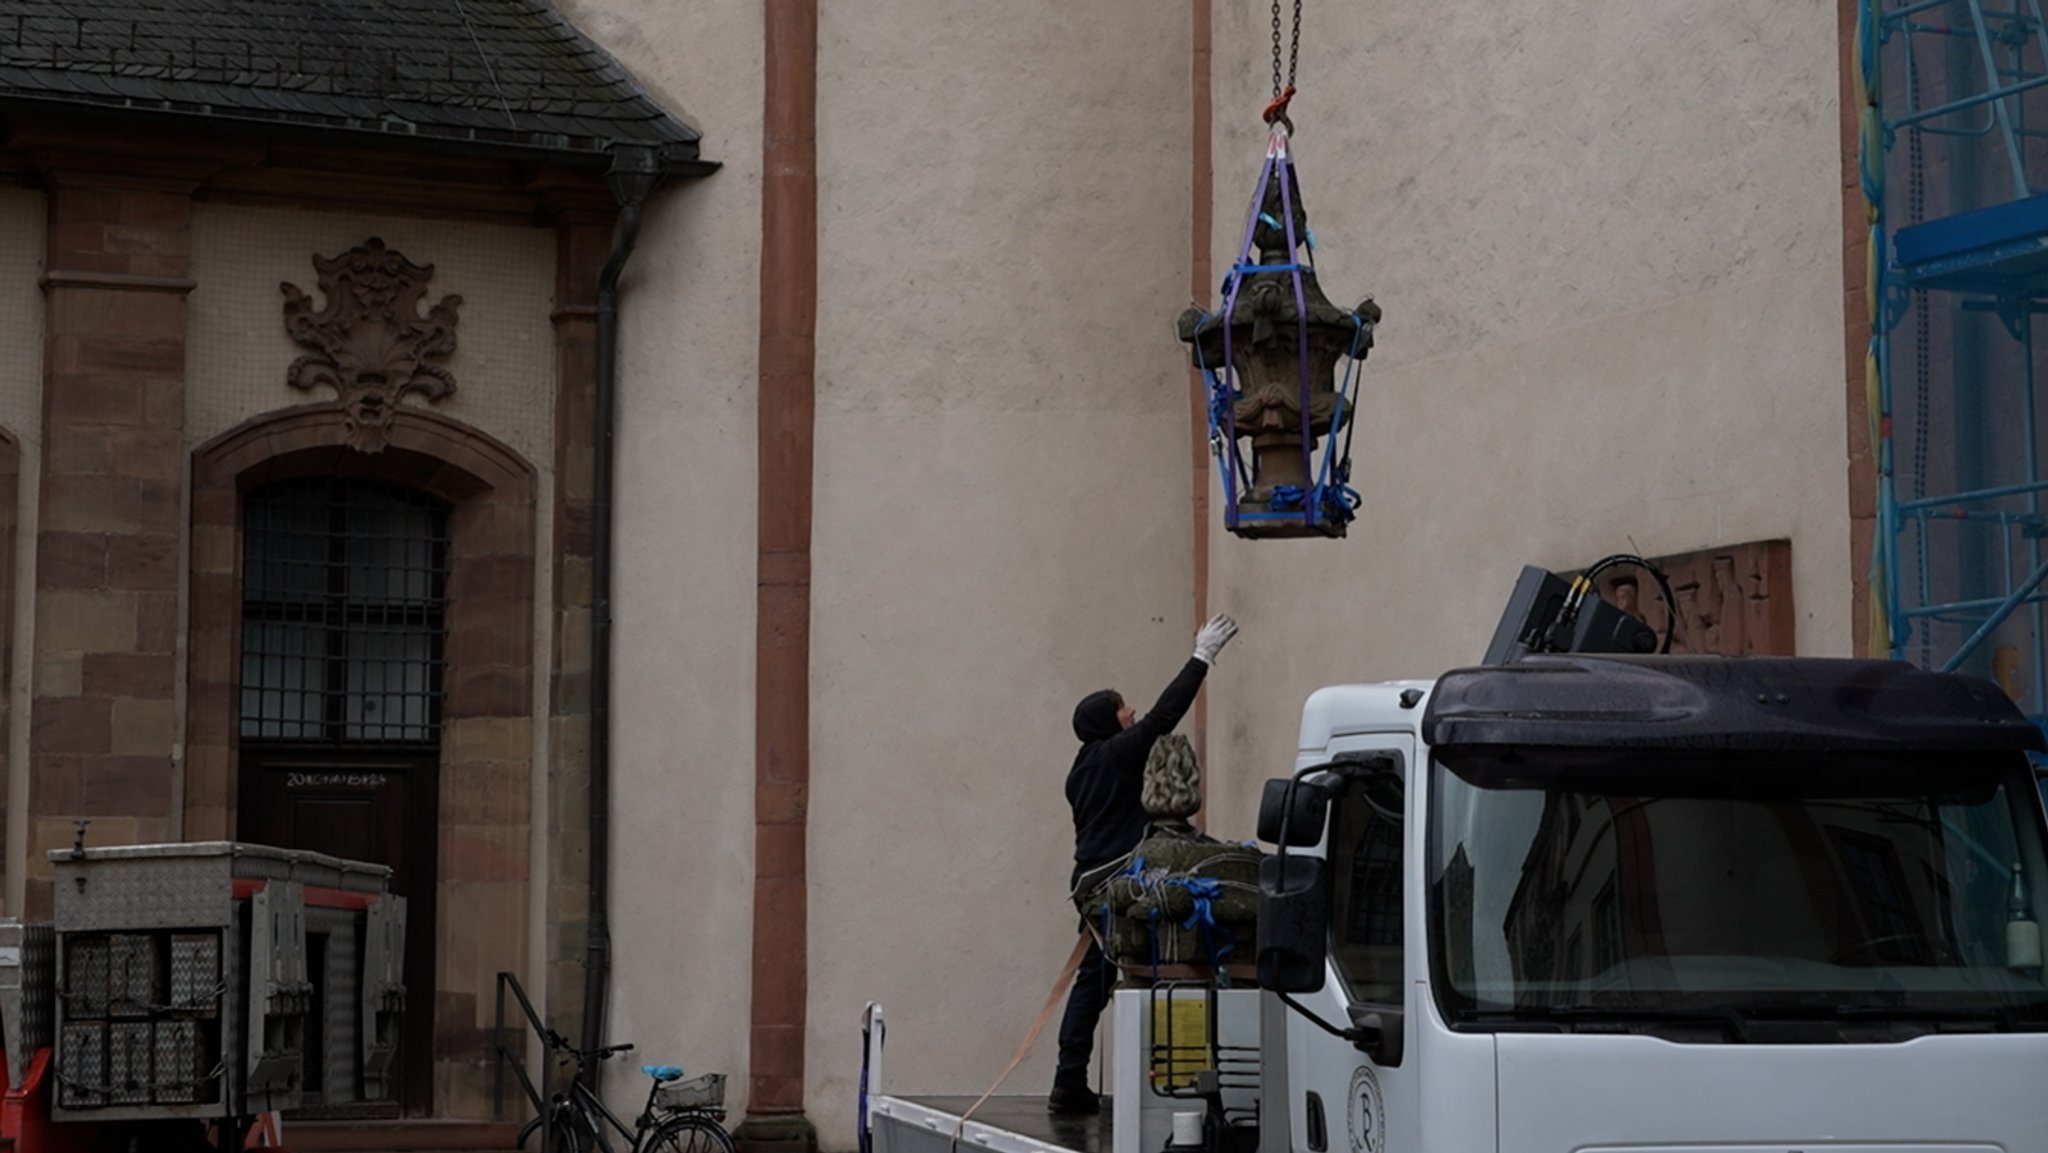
x=344, y=589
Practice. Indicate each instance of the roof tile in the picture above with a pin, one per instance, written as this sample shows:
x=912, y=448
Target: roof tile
x=459, y=68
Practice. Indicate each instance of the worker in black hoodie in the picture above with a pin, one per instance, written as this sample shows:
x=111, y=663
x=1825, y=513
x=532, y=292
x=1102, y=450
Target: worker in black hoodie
x=1103, y=789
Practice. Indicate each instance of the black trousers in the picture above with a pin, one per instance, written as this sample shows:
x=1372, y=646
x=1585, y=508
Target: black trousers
x=1092, y=982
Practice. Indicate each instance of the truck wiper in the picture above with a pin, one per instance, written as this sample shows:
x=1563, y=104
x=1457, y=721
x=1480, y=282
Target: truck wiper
x=1736, y=1021
x=2008, y=1018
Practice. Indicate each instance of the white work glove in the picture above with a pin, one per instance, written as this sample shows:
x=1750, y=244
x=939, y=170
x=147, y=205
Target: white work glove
x=1213, y=637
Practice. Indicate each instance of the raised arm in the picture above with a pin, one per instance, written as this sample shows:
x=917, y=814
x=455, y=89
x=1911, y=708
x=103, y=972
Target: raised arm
x=1129, y=748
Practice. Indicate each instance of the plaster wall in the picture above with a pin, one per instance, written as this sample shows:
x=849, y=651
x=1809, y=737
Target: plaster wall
x=683, y=738
x=1607, y=238
x=23, y=220
x=1001, y=493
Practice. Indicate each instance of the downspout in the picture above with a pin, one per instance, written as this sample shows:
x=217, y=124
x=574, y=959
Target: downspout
x=1202, y=219
x=633, y=174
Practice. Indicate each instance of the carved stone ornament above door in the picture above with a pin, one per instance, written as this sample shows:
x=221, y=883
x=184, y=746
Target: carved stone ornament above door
x=370, y=344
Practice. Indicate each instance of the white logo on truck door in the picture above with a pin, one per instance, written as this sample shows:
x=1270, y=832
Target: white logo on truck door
x=1367, y=1118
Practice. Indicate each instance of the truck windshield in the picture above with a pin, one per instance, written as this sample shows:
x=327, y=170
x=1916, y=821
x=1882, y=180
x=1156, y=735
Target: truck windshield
x=1601, y=884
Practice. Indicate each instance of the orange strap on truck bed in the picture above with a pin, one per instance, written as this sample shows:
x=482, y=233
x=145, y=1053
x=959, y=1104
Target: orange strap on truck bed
x=1052, y=1001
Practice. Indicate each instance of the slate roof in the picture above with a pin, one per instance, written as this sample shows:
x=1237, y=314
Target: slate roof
x=505, y=74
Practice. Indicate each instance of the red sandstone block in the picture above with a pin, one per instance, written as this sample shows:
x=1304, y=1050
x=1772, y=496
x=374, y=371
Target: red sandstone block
x=149, y=453
x=208, y=823
x=211, y=723
x=779, y=851
x=766, y=1091
x=299, y=438
x=780, y=802
x=478, y=853
x=71, y=205
x=500, y=577
x=71, y=397
x=209, y=772
x=130, y=786
x=80, y=309
x=214, y=503
x=130, y=354
x=211, y=613
x=1862, y=498
x=157, y=504
x=453, y=1012
x=163, y=402
x=212, y=652
x=39, y=895
x=216, y=599
x=573, y=528
x=156, y=622
x=71, y=560
x=80, y=246
x=162, y=211
x=495, y=638
x=486, y=526
x=489, y=691
x=779, y=1047
x=570, y=693
x=147, y=676
x=56, y=782
x=484, y=793
x=79, y=449
x=71, y=725
x=166, y=264
x=109, y=504
x=779, y=929
x=145, y=563
x=87, y=504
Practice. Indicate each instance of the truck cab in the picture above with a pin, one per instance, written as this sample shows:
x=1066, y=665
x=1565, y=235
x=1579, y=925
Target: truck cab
x=1640, y=904
x=1576, y=903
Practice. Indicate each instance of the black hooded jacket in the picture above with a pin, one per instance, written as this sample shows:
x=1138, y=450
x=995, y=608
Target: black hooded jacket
x=1109, y=772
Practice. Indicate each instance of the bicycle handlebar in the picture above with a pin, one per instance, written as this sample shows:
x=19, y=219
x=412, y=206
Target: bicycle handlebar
x=604, y=1054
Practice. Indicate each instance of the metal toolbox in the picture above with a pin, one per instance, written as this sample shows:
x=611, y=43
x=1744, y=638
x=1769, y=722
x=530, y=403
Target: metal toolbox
x=185, y=981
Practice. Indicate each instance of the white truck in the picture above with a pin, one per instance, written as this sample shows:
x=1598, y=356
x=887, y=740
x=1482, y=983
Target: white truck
x=1625, y=904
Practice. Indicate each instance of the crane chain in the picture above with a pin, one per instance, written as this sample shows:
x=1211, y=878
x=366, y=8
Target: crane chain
x=1293, y=48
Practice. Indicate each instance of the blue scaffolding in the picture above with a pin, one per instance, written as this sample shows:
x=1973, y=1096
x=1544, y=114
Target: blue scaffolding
x=1954, y=171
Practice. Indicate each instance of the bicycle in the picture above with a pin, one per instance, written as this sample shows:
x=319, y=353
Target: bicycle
x=679, y=1117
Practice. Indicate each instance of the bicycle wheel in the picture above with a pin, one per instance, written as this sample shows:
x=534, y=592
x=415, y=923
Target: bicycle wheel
x=564, y=1135
x=688, y=1133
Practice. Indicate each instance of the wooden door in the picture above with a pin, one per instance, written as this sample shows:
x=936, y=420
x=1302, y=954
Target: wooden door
x=379, y=808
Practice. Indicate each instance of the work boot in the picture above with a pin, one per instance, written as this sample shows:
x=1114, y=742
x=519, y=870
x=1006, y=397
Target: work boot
x=1073, y=1101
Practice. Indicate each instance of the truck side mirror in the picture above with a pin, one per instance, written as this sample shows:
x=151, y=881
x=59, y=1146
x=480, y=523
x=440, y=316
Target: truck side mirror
x=1305, y=827
x=1294, y=921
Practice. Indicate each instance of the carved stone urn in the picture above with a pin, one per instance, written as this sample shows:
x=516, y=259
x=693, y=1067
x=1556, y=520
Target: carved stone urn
x=1265, y=317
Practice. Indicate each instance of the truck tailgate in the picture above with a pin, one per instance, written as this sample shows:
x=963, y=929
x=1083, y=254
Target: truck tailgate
x=1005, y=1124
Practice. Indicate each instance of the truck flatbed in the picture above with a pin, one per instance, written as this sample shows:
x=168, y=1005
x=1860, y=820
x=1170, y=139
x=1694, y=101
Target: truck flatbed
x=1003, y=1124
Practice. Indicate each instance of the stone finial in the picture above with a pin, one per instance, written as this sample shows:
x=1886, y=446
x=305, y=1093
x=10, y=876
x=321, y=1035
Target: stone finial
x=1173, y=780
x=370, y=344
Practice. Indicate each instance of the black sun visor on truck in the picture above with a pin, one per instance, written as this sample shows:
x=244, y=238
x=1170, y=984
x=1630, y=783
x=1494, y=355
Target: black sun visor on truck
x=1782, y=703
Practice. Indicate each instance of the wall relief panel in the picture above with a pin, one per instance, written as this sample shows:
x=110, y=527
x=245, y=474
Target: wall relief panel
x=370, y=344
x=1732, y=602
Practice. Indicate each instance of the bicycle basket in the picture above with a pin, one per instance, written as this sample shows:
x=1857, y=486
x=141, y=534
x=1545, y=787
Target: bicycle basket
x=706, y=1091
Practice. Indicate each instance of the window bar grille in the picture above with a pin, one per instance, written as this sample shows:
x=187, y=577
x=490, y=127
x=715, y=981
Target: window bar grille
x=344, y=591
